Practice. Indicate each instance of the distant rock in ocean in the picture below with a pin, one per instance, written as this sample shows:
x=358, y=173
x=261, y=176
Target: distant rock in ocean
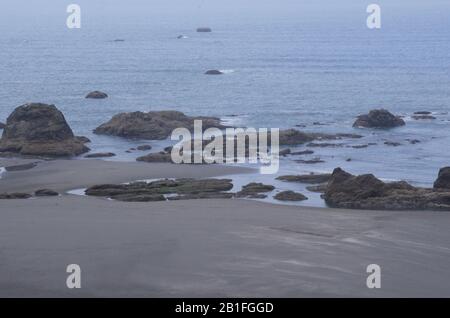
x=214, y=72
x=97, y=95
x=204, y=29
x=119, y=40
x=369, y=193
x=40, y=130
x=156, y=125
x=379, y=118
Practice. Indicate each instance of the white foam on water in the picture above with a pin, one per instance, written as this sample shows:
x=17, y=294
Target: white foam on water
x=2, y=170
x=77, y=192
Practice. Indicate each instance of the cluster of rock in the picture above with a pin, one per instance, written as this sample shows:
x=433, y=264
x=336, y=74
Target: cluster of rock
x=162, y=190
x=19, y=195
x=155, y=125
x=345, y=190
x=40, y=130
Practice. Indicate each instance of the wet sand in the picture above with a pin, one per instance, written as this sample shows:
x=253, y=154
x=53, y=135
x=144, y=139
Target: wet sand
x=207, y=248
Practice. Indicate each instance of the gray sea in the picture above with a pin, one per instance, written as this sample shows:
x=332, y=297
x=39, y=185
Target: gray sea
x=287, y=63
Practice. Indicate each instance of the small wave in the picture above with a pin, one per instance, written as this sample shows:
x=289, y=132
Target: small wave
x=227, y=71
x=2, y=170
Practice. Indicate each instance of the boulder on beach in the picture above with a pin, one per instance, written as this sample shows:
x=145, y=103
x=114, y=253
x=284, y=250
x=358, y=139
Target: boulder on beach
x=213, y=72
x=100, y=155
x=40, y=130
x=290, y=196
x=204, y=29
x=97, y=95
x=379, y=118
x=366, y=192
x=155, y=125
x=443, y=180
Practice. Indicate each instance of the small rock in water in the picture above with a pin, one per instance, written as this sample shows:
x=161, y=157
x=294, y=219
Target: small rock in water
x=305, y=152
x=144, y=147
x=100, y=155
x=423, y=117
x=310, y=162
x=285, y=152
x=213, y=72
x=97, y=95
x=307, y=178
x=379, y=118
x=290, y=196
x=46, y=193
x=254, y=190
x=204, y=29
x=392, y=143
x=422, y=113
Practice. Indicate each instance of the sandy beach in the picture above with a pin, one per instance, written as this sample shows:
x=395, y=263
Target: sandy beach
x=205, y=248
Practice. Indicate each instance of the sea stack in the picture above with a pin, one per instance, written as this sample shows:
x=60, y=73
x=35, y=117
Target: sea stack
x=40, y=130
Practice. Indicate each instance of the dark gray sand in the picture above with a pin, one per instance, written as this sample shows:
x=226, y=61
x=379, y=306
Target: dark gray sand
x=208, y=248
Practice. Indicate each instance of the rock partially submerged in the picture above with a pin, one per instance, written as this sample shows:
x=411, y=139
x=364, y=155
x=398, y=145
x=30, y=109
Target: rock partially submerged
x=369, y=193
x=40, y=130
x=213, y=72
x=100, y=155
x=13, y=196
x=97, y=95
x=144, y=147
x=158, y=190
x=161, y=156
x=290, y=196
x=379, y=118
x=293, y=137
x=423, y=117
x=307, y=178
x=155, y=125
x=255, y=190
x=46, y=193
x=443, y=180
x=204, y=29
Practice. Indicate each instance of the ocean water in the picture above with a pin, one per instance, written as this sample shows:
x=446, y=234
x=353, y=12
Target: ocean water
x=287, y=63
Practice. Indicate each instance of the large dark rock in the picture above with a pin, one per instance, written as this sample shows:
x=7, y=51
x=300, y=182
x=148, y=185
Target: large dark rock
x=40, y=130
x=379, y=118
x=367, y=192
x=100, y=155
x=443, y=180
x=290, y=196
x=156, y=125
x=158, y=190
x=97, y=95
x=2, y=125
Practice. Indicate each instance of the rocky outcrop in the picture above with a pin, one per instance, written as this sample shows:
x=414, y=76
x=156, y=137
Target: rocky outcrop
x=379, y=118
x=204, y=29
x=46, y=193
x=100, y=155
x=40, y=130
x=97, y=95
x=443, y=180
x=156, y=125
x=307, y=178
x=255, y=190
x=290, y=196
x=156, y=157
x=13, y=196
x=2, y=125
x=164, y=189
x=213, y=72
x=369, y=193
